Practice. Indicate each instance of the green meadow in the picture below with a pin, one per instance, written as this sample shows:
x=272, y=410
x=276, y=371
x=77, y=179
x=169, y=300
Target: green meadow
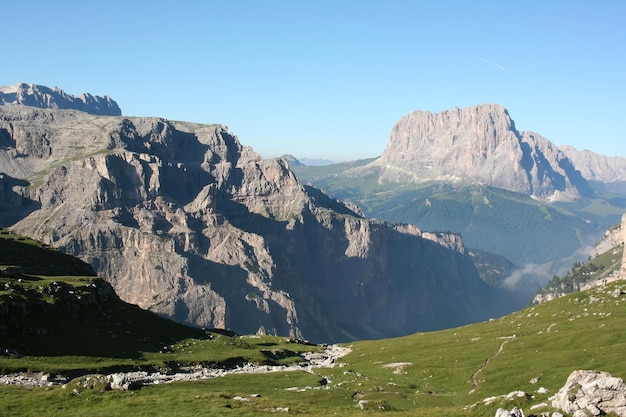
x=444, y=373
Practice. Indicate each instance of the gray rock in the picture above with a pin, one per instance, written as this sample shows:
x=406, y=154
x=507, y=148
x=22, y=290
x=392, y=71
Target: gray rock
x=54, y=98
x=515, y=412
x=183, y=220
x=478, y=144
x=501, y=412
x=592, y=392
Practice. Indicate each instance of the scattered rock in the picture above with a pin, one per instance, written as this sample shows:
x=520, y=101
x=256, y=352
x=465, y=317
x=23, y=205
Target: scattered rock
x=540, y=405
x=124, y=381
x=239, y=398
x=515, y=412
x=131, y=380
x=24, y=379
x=515, y=394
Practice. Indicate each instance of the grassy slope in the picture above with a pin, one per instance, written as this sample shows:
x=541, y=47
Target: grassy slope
x=581, y=331
x=596, y=269
x=423, y=374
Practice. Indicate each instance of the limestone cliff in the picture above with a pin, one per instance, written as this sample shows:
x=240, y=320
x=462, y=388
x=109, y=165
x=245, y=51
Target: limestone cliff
x=54, y=98
x=597, y=167
x=479, y=145
x=185, y=221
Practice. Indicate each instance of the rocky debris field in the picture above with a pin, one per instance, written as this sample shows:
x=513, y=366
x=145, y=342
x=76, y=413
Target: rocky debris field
x=130, y=380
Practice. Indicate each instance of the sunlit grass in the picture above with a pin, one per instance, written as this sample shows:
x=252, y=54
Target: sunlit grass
x=448, y=373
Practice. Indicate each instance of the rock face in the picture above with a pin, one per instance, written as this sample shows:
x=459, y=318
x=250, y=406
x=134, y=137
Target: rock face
x=185, y=221
x=54, y=98
x=622, y=273
x=592, y=393
x=597, y=167
x=478, y=145
x=612, y=237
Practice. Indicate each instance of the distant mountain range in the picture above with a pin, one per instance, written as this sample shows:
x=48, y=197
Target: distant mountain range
x=183, y=220
x=309, y=162
x=480, y=145
x=54, y=98
x=506, y=191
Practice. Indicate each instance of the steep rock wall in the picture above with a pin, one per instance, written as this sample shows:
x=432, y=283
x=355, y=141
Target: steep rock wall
x=478, y=144
x=54, y=98
x=185, y=221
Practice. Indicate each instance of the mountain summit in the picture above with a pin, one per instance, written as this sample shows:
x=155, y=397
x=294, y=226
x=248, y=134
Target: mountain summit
x=54, y=98
x=481, y=145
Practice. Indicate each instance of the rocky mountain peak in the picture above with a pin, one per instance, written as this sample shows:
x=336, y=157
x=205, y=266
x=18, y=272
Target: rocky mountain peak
x=54, y=98
x=184, y=220
x=481, y=145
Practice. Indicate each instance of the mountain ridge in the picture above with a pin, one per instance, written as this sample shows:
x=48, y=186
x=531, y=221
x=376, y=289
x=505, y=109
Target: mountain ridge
x=470, y=171
x=182, y=219
x=44, y=97
x=478, y=144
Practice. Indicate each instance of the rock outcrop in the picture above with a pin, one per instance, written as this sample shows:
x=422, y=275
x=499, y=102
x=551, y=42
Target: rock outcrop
x=613, y=236
x=477, y=145
x=54, y=98
x=591, y=393
x=622, y=272
x=185, y=221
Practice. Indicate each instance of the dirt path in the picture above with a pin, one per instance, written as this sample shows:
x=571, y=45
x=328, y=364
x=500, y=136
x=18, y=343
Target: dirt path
x=474, y=377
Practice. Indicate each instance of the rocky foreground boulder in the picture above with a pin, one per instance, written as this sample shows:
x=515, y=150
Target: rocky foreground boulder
x=591, y=393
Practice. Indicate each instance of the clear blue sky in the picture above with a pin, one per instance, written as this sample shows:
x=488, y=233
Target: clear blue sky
x=328, y=79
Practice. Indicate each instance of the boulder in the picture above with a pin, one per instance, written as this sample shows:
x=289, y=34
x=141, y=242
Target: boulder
x=592, y=393
x=515, y=412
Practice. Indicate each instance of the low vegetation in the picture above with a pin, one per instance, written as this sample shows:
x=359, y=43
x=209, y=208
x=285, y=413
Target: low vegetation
x=451, y=372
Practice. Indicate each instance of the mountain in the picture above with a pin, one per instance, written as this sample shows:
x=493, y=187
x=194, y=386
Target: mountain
x=301, y=162
x=54, y=98
x=315, y=162
x=291, y=160
x=470, y=171
x=477, y=145
x=184, y=221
